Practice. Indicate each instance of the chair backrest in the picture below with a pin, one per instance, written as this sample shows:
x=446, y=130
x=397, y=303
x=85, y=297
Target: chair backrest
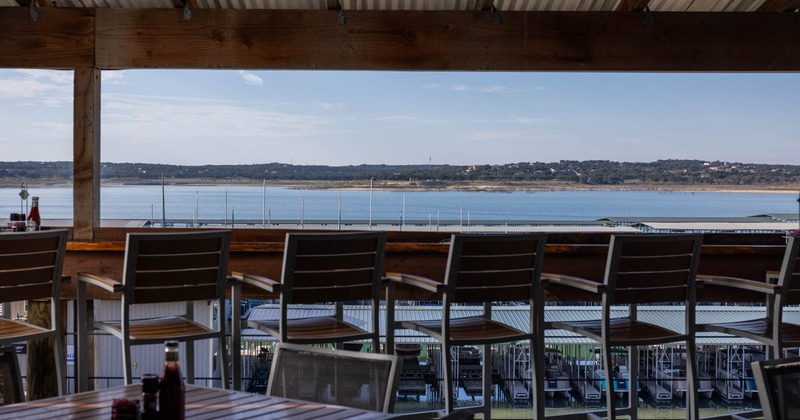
x=652, y=268
x=340, y=377
x=10, y=379
x=332, y=267
x=176, y=267
x=789, y=278
x=778, y=384
x=487, y=268
x=31, y=264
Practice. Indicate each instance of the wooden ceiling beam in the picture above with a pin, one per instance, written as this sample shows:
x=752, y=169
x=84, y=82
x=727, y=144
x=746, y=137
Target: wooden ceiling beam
x=779, y=6
x=61, y=38
x=484, y=5
x=631, y=5
x=36, y=3
x=399, y=40
x=425, y=40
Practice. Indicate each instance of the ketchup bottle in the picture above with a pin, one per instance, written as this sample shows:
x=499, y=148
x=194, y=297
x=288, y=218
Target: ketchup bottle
x=171, y=396
x=34, y=220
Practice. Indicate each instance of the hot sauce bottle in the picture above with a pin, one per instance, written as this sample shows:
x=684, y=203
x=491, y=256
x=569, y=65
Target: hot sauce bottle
x=171, y=395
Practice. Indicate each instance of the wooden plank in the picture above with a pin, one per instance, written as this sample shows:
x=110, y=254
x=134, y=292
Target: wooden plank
x=779, y=6
x=24, y=261
x=29, y=276
x=492, y=294
x=335, y=262
x=61, y=38
x=631, y=5
x=446, y=40
x=332, y=294
x=86, y=154
x=188, y=278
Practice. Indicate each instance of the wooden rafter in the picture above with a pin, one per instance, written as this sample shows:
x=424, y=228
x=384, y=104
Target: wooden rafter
x=107, y=38
x=779, y=6
x=484, y=4
x=36, y=3
x=181, y=3
x=631, y=5
x=417, y=40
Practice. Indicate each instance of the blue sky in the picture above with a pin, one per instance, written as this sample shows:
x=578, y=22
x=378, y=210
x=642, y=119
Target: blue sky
x=342, y=118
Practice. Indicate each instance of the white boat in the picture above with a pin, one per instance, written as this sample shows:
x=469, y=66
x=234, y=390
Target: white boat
x=660, y=394
x=620, y=378
x=583, y=382
x=516, y=375
x=675, y=381
x=556, y=381
x=669, y=372
x=729, y=385
x=706, y=388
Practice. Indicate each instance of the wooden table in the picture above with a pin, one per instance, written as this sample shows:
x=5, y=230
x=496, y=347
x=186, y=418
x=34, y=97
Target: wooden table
x=201, y=403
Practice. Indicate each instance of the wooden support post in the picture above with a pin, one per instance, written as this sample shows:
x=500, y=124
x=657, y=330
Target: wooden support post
x=86, y=151
x=42, y=382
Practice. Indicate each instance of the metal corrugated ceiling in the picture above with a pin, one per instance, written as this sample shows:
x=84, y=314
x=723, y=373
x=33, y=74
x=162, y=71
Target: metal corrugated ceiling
x=424, y=5
x=671, y=317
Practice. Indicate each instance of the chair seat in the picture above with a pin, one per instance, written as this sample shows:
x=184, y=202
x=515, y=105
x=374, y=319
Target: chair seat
x=317, y=329
x=474, y=329
x=172, y=327
x=623, y=331
x=9, y=329
x=754, y=328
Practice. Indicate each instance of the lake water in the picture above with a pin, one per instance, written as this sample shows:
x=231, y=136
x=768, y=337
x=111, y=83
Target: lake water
x=255, y=203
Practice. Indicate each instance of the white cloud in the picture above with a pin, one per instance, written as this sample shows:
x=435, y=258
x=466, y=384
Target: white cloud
x=494, y=135
x=508, y=136
x=494, y=89
x=460, y=87
x=39, y=87
x=149, y=129
x=330, y=105
x=61, y=77
x=534, y=120
x=109, y=77
x=251, y=78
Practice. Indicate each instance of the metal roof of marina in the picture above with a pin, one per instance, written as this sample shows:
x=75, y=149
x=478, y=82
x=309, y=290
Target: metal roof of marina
x=671, y=317
x=715, y=226
x=781, y=216
x=676, y=219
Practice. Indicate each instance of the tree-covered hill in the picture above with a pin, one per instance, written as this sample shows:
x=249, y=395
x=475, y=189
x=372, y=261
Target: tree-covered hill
x=593, y=172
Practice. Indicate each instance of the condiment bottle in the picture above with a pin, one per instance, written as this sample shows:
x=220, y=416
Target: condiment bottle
x=171, y=396
x=34, y=220
x=150, y=396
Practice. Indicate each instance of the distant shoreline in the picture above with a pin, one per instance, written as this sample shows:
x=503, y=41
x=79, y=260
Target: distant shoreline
x=497, y=186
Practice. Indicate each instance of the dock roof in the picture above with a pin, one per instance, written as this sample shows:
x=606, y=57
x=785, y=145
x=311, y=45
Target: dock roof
x=671, y=317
